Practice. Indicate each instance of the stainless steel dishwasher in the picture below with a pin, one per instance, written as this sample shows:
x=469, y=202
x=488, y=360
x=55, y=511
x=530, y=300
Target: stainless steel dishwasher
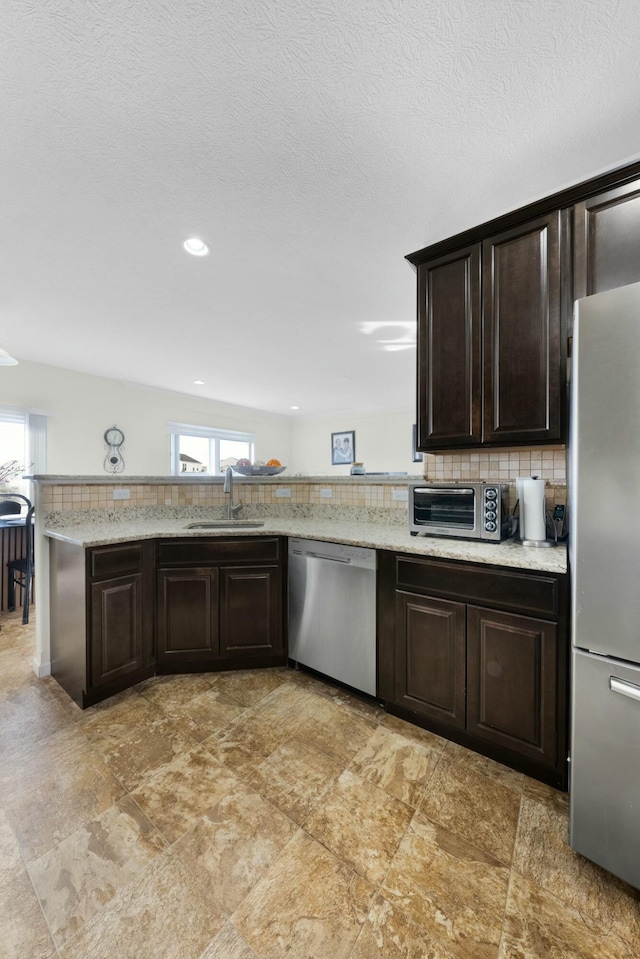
x=332, y=611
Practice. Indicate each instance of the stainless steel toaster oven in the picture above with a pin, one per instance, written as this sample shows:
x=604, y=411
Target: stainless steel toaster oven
x=465, y=510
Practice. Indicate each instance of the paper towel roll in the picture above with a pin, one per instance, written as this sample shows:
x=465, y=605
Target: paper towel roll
x=520, y=497
x=533, y=516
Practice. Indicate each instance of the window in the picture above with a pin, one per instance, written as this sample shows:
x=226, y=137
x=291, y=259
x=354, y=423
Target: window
x=23, y=440
x=199, y=449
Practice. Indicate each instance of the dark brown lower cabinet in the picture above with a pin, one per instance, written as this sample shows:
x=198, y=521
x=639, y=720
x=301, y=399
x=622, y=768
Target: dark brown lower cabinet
x=512, y=682
x=251, y=611
x=187, y=626
x=224, y=613
x=102, y=618
x=121, y=613
x=117, y=628
x=430, y=657
x=479, y=655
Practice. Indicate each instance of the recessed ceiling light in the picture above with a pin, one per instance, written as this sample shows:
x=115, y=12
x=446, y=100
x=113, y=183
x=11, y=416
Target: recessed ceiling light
x=295, y=407
x=195, y=246
x=198, y=382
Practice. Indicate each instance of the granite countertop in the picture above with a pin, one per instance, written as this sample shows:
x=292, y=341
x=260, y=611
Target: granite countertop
x=378, y=536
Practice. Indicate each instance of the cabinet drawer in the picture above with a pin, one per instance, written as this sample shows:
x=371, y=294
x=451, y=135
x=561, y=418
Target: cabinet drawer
x=199, y=552
x=507, y=589
x=107, y=561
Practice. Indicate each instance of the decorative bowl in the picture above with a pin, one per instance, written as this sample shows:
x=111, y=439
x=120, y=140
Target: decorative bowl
x=259, y=470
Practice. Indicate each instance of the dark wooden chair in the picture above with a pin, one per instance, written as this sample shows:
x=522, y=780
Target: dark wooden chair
x=20, y=571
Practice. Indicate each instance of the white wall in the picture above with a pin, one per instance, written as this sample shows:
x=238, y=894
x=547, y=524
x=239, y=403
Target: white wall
x=383, y=442
x=82, y=407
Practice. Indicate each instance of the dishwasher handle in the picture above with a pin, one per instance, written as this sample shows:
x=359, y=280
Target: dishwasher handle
x=332, y=559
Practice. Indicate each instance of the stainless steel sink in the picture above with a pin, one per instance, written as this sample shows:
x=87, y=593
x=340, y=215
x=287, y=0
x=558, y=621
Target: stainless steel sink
x=227, y=524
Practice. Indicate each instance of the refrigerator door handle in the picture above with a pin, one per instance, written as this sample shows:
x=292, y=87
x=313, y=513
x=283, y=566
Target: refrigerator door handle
x=625, y=689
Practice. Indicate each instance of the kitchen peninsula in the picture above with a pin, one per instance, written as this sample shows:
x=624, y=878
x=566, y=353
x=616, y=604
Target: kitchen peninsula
x=134, y=591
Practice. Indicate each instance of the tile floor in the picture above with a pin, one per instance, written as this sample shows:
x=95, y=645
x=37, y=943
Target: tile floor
x=264, y=815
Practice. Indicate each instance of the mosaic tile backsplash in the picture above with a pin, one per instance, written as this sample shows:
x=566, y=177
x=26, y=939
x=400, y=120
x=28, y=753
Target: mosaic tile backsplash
x=374, y=499
x=84, y=497
x=503, y=466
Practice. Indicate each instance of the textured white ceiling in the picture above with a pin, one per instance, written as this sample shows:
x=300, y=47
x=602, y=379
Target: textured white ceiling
x=312, y=143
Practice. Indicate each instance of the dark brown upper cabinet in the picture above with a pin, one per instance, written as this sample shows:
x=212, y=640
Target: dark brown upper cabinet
x=449, y=354
x=524, y=363
x=606, y=230
x=495, y=306
x=490, y=360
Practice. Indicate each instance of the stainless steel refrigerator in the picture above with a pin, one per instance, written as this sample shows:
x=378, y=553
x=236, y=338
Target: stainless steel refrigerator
x=604, y=476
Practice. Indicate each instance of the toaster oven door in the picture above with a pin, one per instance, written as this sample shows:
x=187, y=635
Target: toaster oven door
x=445, y=508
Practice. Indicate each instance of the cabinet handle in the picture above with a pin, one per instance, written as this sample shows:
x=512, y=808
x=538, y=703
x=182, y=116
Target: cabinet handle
x=625, y=689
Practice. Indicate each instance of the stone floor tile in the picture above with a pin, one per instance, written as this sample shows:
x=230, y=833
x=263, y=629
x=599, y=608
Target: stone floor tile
x=175, y=690
x=295, y=777
x=275, y=745
x=245, y=742
x=309, y=904
x=28, y=714
x=23, y=930
x=546, y=794
x=338, y=732
x=248, y=687
x=539, y=926
x=134, y=737
x=233, y=844
x=415, y=733
x=398, y=765
x=204, y=714
x=228, y=944
x=483, y=810
x=389, y=934
x=361, y=824
x=71, y=708
x=15, y=668
x=75, y=879
x=488, y=767
x=182, y=791
x=55, y=790
x=452, y=889
x=163, y=914
x=543, y=855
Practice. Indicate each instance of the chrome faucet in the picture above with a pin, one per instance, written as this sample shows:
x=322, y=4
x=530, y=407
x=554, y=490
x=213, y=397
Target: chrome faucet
x=228, y=488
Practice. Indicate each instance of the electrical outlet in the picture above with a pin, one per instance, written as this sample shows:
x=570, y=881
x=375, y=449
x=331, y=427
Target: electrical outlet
x=122, y=494
x=326, y=494
x=400, y=495
x=283, y=492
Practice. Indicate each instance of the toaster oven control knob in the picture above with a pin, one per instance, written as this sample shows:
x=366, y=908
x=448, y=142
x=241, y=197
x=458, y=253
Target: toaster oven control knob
x=490, y=494
x=490, y=515
x=490, y=526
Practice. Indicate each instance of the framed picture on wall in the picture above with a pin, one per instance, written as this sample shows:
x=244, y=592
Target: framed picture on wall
x=343, y=447
x=416, y=456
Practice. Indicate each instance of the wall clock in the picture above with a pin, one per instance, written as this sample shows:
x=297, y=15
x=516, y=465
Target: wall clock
x=114, y=440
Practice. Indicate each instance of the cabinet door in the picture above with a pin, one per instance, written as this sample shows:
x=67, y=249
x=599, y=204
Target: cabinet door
x=120, y=627
x=607, y=240
x=449, y=374
x=524, y=366
x=250, y=612
x=430, y=657
x=511, y=682
x=187, y=615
